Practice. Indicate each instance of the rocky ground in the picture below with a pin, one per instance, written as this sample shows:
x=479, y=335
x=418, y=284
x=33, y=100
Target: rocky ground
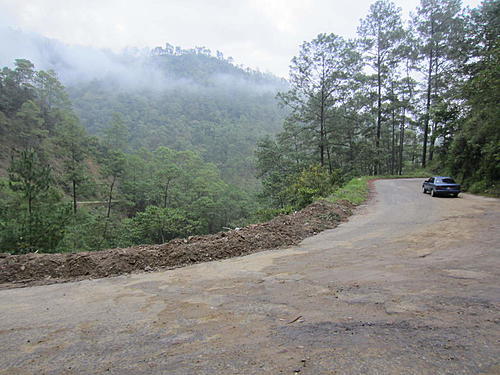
x=285, y=230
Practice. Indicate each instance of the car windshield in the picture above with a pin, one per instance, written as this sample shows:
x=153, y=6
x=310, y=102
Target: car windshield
x=448, y=180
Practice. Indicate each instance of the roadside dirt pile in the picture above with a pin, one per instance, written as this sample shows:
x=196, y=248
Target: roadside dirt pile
x=282, y=231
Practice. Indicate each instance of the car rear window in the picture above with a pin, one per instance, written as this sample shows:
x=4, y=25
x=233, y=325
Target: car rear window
x=448, y=180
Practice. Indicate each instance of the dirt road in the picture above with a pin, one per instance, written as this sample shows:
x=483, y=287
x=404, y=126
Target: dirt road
x=410, y=285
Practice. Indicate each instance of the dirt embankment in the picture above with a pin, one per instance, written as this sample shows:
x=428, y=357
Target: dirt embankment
x=286, y=230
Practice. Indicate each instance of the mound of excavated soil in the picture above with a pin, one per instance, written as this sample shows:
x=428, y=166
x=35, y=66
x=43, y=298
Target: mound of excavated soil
x=282, y=231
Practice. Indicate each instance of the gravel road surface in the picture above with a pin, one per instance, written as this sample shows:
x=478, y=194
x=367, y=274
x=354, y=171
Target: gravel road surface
x=410, y=285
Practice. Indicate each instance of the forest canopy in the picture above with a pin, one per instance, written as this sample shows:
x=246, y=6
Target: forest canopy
x=399, y=97
x=133, y=167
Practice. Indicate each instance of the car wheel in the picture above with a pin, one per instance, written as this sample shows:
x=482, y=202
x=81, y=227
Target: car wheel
x=424, y=190
x=433, y=193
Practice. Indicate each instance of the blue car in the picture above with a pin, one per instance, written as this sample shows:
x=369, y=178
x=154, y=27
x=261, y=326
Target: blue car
x=441, y=186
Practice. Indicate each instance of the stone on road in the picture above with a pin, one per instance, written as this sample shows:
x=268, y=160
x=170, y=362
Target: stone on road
x=410, y=285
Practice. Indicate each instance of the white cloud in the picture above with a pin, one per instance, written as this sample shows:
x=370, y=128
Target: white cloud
x=257, y=33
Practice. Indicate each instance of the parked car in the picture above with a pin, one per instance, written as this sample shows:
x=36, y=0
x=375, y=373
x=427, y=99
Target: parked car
x=440, y=185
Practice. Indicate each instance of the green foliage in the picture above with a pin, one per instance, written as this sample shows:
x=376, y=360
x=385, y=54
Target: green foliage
x=321, y=77
x=36, y=217
x=16, y=86
x=490, y=189
x=206, y=105
x=381, y=36
x=72, y=142
x=383, y=121
x=355, y=191
x=182, y=180
x=474, y=153
x=440, y=29
x=116, y=134
x=311, y=184
x=29, y=174
x=275, y=165
x=114, y=163
x=41, y=230
x=266, y=214
x=82, y=232
x=136, y=196
x=29, y=120
x=158, y=225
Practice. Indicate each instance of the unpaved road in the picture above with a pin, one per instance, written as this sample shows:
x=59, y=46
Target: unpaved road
x=410, y=285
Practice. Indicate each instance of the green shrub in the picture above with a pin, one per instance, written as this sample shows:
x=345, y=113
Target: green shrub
x=355, y=191
x=158, y=225
x=267, y=214
x=312, y=183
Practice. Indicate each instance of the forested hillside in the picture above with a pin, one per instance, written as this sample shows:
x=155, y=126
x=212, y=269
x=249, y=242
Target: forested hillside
x=163, y=162
x=401, y=96
x=198, y=102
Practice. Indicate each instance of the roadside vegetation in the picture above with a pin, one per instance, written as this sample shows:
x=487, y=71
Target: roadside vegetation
x=63, y=189
x=355, y=191
x=399, y=98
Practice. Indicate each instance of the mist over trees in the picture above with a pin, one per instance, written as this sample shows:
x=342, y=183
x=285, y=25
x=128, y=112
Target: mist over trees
x=149, y=166
x=400, y=97
x=186, y=99
x=199, y=102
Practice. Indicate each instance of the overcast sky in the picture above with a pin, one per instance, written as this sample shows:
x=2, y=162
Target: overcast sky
x=262, y=34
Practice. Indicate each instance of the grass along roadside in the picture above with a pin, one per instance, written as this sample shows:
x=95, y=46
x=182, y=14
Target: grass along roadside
x=356, y=190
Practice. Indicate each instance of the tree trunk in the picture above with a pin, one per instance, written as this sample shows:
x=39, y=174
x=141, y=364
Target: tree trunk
x=322, y=124
x=30, y=220
x=110, y=197
x=434, y=124
x=432, y=142
x=329, y=159
x=379, y=117
x=165, y=194
x=429, y=92
x=402, y=140
x=427, y=114
x=393, y=146
x=74, y=196
x=108, y=214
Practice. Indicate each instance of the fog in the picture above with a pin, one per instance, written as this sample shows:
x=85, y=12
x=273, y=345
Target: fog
x=130, y=69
